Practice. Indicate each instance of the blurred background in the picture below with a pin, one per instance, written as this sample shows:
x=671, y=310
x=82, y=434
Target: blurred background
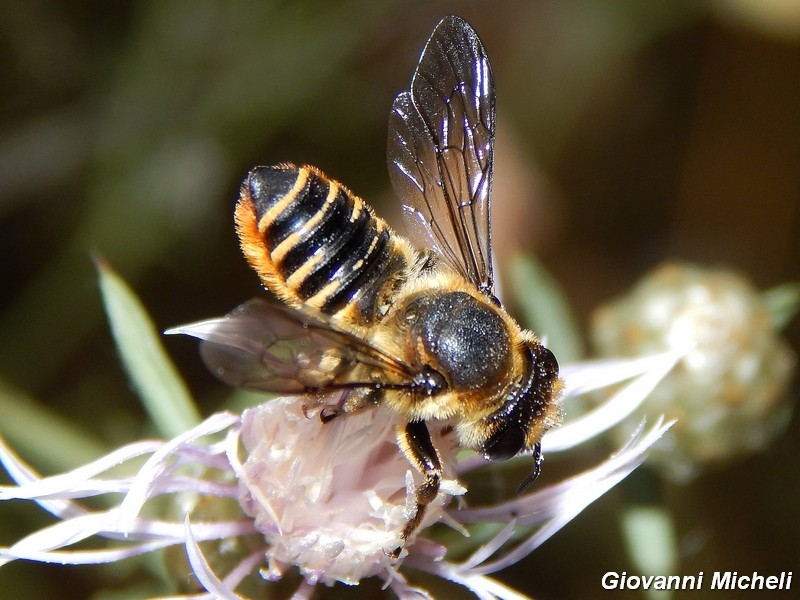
x=628, y=133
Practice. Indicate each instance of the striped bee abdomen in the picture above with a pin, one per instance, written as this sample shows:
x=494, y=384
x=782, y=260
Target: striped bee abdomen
x=315, y=243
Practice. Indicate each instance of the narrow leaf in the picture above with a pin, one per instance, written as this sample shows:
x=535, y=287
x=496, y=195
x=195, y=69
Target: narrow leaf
x=545, y=308
x=160, y=387
x=782, y=303
x=649, y=533
x=49, y=440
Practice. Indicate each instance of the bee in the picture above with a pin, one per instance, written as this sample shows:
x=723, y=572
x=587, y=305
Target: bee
x=414, y=328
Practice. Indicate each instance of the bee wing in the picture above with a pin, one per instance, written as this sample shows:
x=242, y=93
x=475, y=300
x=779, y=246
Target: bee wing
x=441, y=149
x=271, y=348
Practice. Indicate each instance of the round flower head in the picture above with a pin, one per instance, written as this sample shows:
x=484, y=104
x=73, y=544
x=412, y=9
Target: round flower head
x=331, y=498
x=727, y=393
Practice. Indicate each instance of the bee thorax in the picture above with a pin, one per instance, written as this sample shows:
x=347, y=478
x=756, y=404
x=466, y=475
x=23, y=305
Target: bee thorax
x=463, y=339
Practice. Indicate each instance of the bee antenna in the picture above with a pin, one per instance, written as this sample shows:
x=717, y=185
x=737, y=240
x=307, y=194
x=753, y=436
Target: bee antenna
x=537, y=469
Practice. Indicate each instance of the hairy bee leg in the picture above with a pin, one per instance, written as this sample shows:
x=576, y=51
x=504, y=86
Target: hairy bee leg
x=415, y=441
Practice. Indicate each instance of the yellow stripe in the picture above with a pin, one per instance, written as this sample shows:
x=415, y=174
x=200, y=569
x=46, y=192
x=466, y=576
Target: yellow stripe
x=318, y=299
x=322, y=296
x=283, y=203
x=292, y=240
x=374, y=243
x=358, y=204
x=297, y=278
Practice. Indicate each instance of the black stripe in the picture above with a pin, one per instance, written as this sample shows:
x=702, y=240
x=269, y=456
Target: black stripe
x=369, y=271
x=334, y=224
x=366, y=298
x=351, y=242
x=268, y=185
x=305, y=205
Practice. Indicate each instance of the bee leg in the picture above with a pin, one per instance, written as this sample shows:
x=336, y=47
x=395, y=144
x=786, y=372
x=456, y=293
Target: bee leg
x=349, y=403
x=415, y=441
x=326, y=413
x=537, y=469
x=329, y=413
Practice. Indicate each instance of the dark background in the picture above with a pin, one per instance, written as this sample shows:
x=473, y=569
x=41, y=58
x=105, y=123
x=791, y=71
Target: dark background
x=628, y=133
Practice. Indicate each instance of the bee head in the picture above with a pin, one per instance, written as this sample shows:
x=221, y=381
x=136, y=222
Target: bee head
x=525, y=414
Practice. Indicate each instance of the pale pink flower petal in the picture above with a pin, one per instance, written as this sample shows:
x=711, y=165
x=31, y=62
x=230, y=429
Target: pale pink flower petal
x=331, y=498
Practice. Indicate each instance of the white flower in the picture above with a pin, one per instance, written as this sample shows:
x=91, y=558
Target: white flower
x=729, y=393
x=330, y=498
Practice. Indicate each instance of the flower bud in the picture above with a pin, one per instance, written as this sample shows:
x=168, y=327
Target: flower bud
x=728, y=391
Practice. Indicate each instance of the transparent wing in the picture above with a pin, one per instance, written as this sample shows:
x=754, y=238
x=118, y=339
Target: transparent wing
x=440, y=150
x=272, y=348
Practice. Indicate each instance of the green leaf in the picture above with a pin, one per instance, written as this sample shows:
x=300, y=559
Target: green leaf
x=782, y=303
x=48, y=440
x=161, y=389
x=545, y=308
x=649, y=534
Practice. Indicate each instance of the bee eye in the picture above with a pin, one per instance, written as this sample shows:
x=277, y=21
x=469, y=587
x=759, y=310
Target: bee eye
x=430, y=381
x=504, y=444
x=547, y=361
